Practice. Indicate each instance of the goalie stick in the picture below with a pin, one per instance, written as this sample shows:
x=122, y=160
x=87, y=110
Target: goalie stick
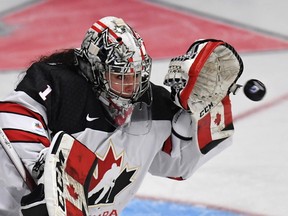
x=15, y=159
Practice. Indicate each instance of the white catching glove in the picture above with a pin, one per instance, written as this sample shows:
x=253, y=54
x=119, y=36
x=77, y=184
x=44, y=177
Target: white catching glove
x=204, y=75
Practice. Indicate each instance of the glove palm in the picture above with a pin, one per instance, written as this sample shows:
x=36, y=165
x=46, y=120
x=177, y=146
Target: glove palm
x=204, y=75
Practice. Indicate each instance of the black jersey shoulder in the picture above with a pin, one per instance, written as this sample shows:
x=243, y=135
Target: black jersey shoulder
x=71, y=100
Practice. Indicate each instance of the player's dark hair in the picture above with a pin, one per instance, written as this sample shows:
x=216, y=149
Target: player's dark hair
x=65, y=56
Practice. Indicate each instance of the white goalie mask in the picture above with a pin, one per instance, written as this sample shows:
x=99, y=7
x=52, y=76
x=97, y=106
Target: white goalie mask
x=113, y=57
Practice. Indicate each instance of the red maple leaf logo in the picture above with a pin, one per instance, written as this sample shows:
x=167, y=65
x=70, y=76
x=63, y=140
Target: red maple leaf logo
x=109, y=177
x=217, y=119
x=105, y=164
x=72, y=192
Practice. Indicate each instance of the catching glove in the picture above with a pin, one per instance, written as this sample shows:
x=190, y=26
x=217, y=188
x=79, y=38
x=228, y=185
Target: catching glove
x=202, y=77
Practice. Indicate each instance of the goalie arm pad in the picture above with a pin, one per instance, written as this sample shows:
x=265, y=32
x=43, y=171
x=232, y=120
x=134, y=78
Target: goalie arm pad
x=209, y=131
x=68, y=170
x=193, y=142
x=204, y=75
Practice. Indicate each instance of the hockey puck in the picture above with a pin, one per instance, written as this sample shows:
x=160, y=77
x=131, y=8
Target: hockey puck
x=254, y=89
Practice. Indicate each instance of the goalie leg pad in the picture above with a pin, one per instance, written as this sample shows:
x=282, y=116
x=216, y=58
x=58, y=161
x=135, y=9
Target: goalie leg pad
x=67, y=174
x=68, y=169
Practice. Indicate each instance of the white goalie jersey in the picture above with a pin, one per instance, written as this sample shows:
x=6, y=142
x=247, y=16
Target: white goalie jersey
x=50, y=99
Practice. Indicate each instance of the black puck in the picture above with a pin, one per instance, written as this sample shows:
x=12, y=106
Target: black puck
x=254, y=90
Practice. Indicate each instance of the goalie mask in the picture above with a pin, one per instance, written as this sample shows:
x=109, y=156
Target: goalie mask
x=113, y=57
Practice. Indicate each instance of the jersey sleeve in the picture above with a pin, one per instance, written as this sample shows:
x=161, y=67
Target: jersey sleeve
x=194, y=142
x=23, y=117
